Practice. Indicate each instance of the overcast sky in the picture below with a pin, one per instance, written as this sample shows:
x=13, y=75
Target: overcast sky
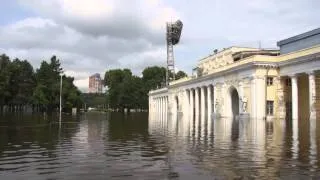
x=92, y=36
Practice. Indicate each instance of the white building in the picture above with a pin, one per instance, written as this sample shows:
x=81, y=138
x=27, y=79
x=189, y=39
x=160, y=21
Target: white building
x=249, y=82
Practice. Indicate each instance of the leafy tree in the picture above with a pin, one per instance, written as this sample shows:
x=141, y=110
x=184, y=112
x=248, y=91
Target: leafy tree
x=154, y=77
x=129, y=91
x=180, y=74
x=4, y=79
x=20, y=85
x=22, y=82
x=119, y=93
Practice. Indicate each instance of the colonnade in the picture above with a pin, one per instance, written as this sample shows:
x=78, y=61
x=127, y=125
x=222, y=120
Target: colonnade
x=198, y=106
x=296, y=105
x=160, y=104
x=199, y=100
x=207, y=100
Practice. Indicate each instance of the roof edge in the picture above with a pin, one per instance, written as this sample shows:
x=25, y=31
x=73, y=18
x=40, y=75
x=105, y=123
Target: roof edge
x=298, y=37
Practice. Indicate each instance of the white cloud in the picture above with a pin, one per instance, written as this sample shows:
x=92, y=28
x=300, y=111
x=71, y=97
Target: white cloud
x=117, y=18
x=90, y=36
x=96, y=35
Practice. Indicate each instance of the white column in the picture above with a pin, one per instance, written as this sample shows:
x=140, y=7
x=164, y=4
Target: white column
x=312, y=95
x=203, y=111
x=202, y=106
x=260, y=102
x=196, y=101
x=185, y=103
x=156, y=109
x=209, y=101
x=280, y=95
x=209, y=97
x=166, y=104
x=215, y=95
x=191, y=102
x=161, y=105
x=191, y=115
x=165, y=111
x=154, y=105
x=196, y=117
x=295, y=129
x=294, y=85
x=313, y=115
x=253, y=98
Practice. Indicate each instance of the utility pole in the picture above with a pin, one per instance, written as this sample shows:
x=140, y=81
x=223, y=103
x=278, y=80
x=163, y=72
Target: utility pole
x=60, y=99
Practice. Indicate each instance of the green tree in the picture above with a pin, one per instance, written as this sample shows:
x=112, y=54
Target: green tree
x=154, y=77
x=47, y=91
x=4, y=79
x=20, y=85
x=180, y=74
x=122, y=88
x=22, y=82
x=128, y=91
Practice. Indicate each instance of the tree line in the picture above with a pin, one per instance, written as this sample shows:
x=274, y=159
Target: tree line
x=23, y=86
x=128, y=91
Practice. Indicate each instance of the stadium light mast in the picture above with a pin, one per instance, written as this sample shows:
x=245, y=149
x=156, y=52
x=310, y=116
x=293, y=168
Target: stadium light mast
x=173, y=37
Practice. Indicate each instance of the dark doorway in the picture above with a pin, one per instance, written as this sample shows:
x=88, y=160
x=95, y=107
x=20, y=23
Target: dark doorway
x=235, y=102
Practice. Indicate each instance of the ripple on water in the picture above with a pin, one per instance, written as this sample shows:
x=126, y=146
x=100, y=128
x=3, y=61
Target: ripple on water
x=100, y=148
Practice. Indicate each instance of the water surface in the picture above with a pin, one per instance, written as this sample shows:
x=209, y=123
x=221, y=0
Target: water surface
x=139, y=146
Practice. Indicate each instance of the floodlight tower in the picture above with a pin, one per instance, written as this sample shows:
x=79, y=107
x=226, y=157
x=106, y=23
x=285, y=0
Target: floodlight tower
x=173, y=38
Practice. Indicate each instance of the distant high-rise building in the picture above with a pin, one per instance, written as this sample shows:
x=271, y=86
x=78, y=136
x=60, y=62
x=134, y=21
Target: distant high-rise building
x=95, y=83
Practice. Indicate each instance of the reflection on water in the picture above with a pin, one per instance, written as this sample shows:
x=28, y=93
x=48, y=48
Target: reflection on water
x=244, y=148
x=158, y=146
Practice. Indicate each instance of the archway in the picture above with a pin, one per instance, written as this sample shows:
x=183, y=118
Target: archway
x=234, y=101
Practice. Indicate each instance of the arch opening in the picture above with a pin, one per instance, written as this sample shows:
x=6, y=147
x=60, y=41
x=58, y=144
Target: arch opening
x=234, y=102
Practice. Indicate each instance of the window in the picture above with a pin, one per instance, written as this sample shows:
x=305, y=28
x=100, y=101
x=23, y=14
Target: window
x=269, y=81
x=269, y=107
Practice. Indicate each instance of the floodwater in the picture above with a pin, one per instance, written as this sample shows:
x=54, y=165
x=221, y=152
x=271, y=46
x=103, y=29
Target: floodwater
x=138, y=146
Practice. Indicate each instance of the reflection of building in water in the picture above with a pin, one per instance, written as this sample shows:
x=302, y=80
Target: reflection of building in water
x=258, y=83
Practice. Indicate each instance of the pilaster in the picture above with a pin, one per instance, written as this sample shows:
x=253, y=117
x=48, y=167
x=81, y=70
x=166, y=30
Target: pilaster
x=312, y=95
x=294, y=86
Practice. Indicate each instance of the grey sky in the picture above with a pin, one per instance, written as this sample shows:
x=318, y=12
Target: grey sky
x=93, y=36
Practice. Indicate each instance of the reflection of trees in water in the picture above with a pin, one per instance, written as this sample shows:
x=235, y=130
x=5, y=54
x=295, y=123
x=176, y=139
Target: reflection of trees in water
x=133, y=128
x=21, y=132
x=128, y=137
x=126, y=127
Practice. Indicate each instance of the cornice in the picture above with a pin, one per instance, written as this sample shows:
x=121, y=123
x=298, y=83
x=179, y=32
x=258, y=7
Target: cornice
x=245, y=66
x=299, y=60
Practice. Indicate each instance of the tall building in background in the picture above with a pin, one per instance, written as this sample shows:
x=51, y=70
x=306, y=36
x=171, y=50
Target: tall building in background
x=95, y=83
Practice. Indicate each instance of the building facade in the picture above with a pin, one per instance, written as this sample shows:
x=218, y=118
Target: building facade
x=95, y=83
x=240, y=82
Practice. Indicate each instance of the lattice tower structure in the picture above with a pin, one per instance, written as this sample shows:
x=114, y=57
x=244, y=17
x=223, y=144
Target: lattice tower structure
x=173, y=38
